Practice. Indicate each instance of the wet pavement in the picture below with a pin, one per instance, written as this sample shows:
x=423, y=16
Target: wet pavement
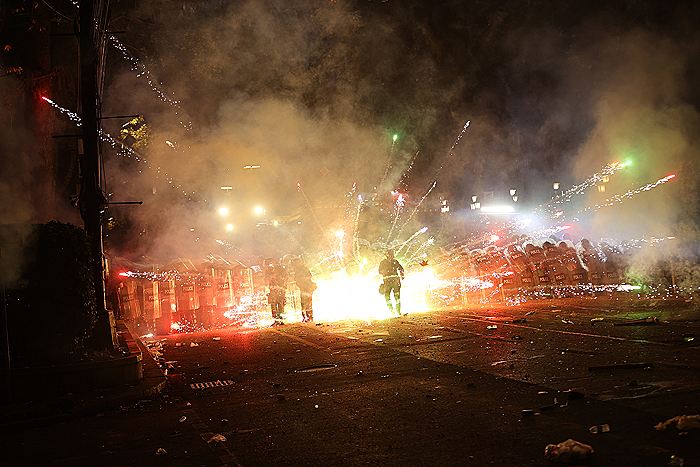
x=441, y=388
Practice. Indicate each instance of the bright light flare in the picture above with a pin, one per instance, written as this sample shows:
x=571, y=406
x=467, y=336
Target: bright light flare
x=223, y=211
x=342, y=296
x=258, y=210
x=497, y=209
x=229, y=227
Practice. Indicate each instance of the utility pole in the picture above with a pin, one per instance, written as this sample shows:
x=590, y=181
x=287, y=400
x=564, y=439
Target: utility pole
x=92, y=201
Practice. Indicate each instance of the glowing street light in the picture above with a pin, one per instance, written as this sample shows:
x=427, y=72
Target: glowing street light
x=555, y=185
x=275, y=223
x=223, y=211
x=229, y=227
x=258, y=210
x=513, y=191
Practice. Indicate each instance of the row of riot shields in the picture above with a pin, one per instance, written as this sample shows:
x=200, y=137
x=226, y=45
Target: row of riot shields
x=548, y=267
x=194, y=299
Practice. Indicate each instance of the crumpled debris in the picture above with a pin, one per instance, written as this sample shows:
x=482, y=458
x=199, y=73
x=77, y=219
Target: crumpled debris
x=568, y=451
x=216, y=339
x=596, y=320
x=567, y=321
x=217, y=438
x=491, y=327
x=681, y=422
x=182, y=419
x=161, y=452
x=194, y=344
x=639, y=322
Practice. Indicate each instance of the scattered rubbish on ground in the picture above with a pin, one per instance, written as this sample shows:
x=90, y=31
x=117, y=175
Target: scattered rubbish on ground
x=183, y=418
x=224, y=421
x=688, y=338
x=568, y=451
x=596, y=429
x=681, y=422
x=529, y=313
x=178, y=344
x=567, y=321
x=161, y=452
x=639, y=322
x=434, y=337
x=500, y=362
x=194, y=344
x=596, y=320
x=217, y=438
x=216, y=338
x=676, y=461
x=528, y=413
x=542, y=392
x=359, y=373
x=315, y=406
x=379, y=340
x=491, y=327
x=519, y=320
x=621, y=366
x=319, y=367
x=517, y=338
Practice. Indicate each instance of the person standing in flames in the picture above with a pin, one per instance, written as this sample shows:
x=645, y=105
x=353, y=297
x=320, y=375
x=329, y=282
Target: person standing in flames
x=306, y=285
x=392, y=272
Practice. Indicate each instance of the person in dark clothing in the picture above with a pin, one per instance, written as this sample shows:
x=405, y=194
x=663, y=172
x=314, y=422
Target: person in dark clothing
x=303, y=278
x=277, y=283
x=392, y=272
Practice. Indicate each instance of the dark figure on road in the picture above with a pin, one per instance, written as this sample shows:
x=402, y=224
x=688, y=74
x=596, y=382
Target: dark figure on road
x=306, y=285
x=277, y=282
x=392, y=272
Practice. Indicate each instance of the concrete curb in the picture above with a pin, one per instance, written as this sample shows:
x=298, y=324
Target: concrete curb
x=51, y=409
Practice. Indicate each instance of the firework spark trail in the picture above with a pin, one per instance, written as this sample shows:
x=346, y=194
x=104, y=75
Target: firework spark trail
x=420, y=249
x=122, y=150
x=454, y=145
x=581, y=188
x=619, y=199
x=356, y=228
x=415, y=209
x=402, y=181
x=398, y=208
x=308, y=203
x=143, y=71
x=410, y=239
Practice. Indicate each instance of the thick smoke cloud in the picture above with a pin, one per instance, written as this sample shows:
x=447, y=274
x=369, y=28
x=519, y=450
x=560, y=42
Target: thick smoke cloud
x=313, y=92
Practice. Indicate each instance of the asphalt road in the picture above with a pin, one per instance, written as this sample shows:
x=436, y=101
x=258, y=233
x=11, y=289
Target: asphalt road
x=428, y=389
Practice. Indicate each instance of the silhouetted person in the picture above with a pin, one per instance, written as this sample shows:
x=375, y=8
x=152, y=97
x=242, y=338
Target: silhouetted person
x=277, y=282
x=392, y=272
x=303, y=278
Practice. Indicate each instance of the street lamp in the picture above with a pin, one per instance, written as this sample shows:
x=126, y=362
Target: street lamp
x=258, y=210
x=555, y=185
x=223, y=211
x=229, y=227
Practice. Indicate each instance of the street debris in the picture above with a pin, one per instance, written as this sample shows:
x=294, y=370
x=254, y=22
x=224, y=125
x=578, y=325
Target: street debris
x=596, y=320
x=688, y=338
x=621, y=366
x=182, y=419
x=161, y=452
x=379, y=340
x=216, y=338
x=217, y=438
x=519, y=320
x=491, y=327
x=194, y=344
x=568, y=451
x=319, y=367
x=596, y=429
x=178, y=344
x=639, y=322
x=567, y=321
x=529, y=313
x=528, y=413
x=681, y=422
